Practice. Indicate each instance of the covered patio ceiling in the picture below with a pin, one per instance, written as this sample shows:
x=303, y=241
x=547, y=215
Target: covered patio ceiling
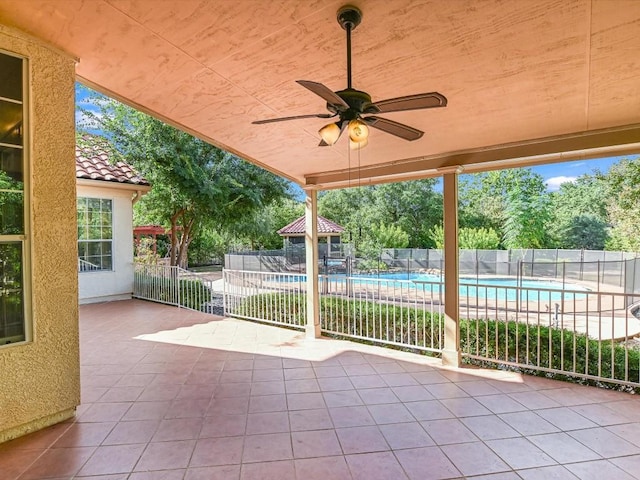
x=527, y=81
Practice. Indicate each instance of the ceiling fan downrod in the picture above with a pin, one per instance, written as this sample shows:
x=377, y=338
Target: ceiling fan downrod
x=349, y=17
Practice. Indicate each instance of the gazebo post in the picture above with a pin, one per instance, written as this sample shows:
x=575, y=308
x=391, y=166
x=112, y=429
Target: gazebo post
x=311, y=253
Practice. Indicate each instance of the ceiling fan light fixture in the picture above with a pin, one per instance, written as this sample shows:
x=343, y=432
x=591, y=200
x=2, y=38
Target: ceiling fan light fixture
x=330, y=133
x=358, y=131
x=358, y=145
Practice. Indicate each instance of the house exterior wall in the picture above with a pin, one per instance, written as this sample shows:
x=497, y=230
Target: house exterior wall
x=40, y=380
x=102, y=286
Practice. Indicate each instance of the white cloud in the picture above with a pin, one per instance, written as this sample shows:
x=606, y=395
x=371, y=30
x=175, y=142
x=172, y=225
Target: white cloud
x=554, y=183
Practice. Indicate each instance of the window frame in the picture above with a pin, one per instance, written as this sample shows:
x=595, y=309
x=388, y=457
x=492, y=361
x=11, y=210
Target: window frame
x=25, y=237
x=96, y=240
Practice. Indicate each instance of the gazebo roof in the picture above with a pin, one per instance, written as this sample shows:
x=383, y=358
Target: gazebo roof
x=149, y=230
x=325, y=227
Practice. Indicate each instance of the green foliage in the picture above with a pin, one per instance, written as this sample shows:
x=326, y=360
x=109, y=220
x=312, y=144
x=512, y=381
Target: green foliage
x=383, y=236
x=549, y=348
x=579, y=214
x=208, y=247
x=478, y=238
x=260, y=232
x=512, y=202
x=468, y=238
x=412, y=207
x=585, y=231
x=350, y=317
x=144, y=252
x=623, y=206
x=535, y=348
x=193, y=294
x=389, y=236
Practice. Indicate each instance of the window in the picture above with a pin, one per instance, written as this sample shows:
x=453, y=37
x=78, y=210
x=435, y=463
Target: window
x=13, y=227
x=95, y=233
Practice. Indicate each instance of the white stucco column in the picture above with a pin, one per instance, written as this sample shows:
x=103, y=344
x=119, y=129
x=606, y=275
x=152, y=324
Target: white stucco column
x=311, y=249
x=451, y=354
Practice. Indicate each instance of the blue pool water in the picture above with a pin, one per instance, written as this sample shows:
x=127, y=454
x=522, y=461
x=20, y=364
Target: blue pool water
x=490, y=288
x=494, y=288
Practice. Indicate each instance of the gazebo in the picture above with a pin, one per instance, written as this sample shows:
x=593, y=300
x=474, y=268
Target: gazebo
x=149, y=230
x=329, y=236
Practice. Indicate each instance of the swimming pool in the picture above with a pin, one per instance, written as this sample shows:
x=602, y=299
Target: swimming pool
x=497, y=288
x=500, y=288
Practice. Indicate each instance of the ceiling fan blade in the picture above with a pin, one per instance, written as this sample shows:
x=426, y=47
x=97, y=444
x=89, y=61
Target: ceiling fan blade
x=295, y=117
x=394, y=128
x=325, y=92
x=411, y=102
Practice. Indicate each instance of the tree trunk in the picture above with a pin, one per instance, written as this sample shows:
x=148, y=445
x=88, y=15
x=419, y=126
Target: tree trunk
x=174, y=237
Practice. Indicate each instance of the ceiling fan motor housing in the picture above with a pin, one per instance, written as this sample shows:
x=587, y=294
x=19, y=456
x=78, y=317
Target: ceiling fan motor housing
x=359, y=102
x=349, y=16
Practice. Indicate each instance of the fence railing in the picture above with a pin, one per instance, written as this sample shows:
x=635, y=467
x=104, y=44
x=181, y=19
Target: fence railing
x=577, y=332
x=173, y=286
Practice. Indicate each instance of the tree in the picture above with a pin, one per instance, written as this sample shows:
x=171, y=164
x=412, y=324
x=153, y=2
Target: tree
x=261, y=231
x=623, y=205
x=193, y=181
x=513, y=202
x=579, y=217
x=414, y=206
x=585, y=231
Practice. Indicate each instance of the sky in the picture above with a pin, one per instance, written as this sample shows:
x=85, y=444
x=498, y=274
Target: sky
x=554, y=174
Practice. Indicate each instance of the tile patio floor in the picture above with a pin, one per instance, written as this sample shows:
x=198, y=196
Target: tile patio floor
x=169, y=394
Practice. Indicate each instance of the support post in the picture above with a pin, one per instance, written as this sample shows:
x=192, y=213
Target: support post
x=311, y=250
x=451, y=355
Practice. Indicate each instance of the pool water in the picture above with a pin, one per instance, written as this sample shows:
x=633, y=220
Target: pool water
x=543, y=291
x=491, y=288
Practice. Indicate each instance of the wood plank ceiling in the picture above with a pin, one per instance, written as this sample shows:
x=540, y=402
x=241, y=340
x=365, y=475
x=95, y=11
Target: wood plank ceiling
x=528, y=81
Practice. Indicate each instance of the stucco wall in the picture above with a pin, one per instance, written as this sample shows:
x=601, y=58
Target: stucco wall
x=117, y=284
x=40, y=381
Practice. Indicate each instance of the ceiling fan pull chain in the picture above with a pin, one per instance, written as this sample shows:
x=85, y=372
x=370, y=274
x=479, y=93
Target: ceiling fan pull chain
x=348, y=28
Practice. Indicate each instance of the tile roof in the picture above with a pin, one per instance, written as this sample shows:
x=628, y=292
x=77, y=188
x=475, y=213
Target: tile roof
x=324, y=226
x=93, y=162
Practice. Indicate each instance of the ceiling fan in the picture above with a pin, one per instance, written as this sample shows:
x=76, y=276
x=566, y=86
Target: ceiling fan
x=351, y=105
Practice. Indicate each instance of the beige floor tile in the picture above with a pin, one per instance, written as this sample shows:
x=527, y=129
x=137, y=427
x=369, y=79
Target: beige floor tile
x=474, y=458
x=448, y=431
x=598, y=470
x=334, y=468
x=375, y=466
x=281, y=470
x=315, y=443
x=563, y=448
x=489, y=427
x=520, y=453
x=406, y=435
x=266, y=448
x=426, y=464
x=604, y=442
x=361, y=440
